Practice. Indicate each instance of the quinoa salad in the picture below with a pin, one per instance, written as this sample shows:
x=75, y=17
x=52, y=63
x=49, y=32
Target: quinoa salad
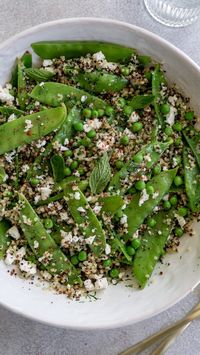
x=99, y=167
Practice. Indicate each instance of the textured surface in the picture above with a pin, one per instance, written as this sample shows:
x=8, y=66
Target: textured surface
x=21, y=336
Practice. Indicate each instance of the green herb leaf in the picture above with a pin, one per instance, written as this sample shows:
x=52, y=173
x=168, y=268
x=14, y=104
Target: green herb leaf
x=100, y=175
x=58, y=166
x=141, y=101
x=39, y=75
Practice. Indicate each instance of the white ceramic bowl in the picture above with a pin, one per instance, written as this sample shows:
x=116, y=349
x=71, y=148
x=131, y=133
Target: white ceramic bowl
x=118, y=305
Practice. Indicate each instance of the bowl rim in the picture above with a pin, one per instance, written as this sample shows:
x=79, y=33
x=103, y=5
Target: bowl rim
x=190, y=62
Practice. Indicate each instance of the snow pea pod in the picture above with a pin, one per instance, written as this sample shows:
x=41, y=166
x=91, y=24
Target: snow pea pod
x=111, y=204
x=14, y=133
x=39, y=75
x=194, y=143
x=26, y=61
x=33, y=230
x=152, y=247
x=141, y=101
x=137, y=210
x=4, y=239
x=74, y=49
x=58, y=167
x=54, y=93
x=21, y=85
x=153, y=150
x=156, y=87
x=192, y=179
x=99, y=82
x=8, y=110
x=86, y=219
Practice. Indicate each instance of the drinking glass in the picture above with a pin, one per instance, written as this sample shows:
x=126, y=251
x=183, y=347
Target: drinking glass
x=176, y=13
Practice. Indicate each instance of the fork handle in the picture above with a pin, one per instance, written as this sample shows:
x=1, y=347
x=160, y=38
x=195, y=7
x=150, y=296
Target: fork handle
x=142, y=345
x=169, y=340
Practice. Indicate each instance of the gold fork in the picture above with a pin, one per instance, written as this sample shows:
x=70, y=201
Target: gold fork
x=168, y=335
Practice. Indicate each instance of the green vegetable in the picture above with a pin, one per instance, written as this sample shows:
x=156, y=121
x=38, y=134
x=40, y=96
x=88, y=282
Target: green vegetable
x=100, y=175
x=13, y=134
x=100, y=82
x=58, y=167
x=145, y=60
x=4, y=239
x=58, y=262
x=136, y=127
x=194, y=143
x=54, y=93
x=136, y=212
x=26, y=61
x=87, y=221
x=21, y=85
x=114, y=273
x=9, y=110
x=82, y=256
x=152, y=247
x=192, y=179
x=74, y=49
x=3, y=175
x=140, y=101
x=39, y=75
x=117, y=244
x=156, y=87
x=111, y=204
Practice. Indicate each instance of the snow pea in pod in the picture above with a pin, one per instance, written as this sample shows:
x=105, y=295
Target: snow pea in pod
x=4, y=239
x=28, y=128
x=54, y=93
x=111, y=204
x=139, y=208
x=194, y=143
x=21, y=85
x=192, y=179
x=152, y=247
x=39, y=75
x=8, y=110
x=26, y=61
x=99, y=82
x=154, y=152
x=58, y=167
x=156, y=87
x=85, y=218
x=74, y=49
x=33, y=231
x=141, y=101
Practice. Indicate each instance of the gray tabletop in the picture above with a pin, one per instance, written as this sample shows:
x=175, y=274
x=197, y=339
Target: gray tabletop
x=21, y=336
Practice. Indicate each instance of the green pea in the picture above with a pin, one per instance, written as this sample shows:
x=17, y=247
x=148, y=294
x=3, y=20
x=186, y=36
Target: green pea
x=34, y=181
x=177, y=127
x=167, y=205
x=127, y=110
x=189, y=115
x=114, y=273
x=168, y=131
x=87, y=113
x=130, y=250
x=125, y=71
x=101, y=112
x=136, y=243
x=67, y=171
x=178, y=141
x=119, y=214
x=109, y=111
x=94, y=113
x=74, y=260
x=138, y=158
x=157, y=169
x=74, y=165
x=136, y=127
x=107, y=263
x=178, y=181
x=119, y=164
x=124, y=140
x=182, y=211
x=165, y=108
x=173, y=200
x=121, y=102
x=82, y=255
x=68, y=153
x=179, y=232
x=78, y=126
x=85, y=141
x=140, y=185
x=150, y=189
x=151, y=222
x=48, y=223
x=81, y=170
x=91, y=133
